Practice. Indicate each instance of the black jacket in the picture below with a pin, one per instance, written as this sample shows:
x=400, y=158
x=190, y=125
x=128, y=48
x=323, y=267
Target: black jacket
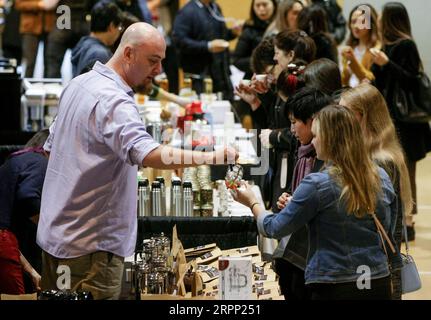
x=325, y=47
x=336, y=22
x=250, y=38
x=194, y=27
x=403, y=68
x=284, y=144
x=86, y=53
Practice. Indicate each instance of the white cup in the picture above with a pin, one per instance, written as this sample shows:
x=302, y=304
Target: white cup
x=261, y=77
x=229, y=119
x=246, y=82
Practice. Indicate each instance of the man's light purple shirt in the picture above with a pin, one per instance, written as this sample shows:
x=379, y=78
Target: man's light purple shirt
x=89, y=197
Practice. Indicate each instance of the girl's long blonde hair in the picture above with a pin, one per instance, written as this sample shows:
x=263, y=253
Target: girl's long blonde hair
x=342, y=144
x=380, y=136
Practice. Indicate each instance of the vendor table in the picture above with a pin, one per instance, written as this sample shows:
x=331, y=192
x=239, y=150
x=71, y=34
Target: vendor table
x=227, y=232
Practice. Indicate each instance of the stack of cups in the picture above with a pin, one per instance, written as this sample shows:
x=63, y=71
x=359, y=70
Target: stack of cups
x=229, y=122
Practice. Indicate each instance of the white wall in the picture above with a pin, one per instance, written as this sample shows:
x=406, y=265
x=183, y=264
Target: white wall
x=420, y=17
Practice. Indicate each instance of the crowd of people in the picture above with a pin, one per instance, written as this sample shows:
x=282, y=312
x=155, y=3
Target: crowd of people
x=319, y=90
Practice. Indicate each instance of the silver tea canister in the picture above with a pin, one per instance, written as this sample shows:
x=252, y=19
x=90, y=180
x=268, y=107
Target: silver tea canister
x=187, y=199
x=156, y=199
x=163, y=194
x=176, y=198
x=144, y=201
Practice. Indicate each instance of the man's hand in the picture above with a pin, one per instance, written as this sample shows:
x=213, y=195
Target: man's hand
x=227, y=155
x=218, y=45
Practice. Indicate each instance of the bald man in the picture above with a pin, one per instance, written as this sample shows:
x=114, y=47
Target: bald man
x=88, y=213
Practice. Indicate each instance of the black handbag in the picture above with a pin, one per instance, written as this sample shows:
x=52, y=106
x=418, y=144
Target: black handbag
x=413, y=104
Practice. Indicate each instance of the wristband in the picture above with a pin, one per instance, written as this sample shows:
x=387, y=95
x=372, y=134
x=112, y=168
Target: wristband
x=252, y=206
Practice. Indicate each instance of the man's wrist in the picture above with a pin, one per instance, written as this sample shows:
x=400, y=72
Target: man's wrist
x=253, y=202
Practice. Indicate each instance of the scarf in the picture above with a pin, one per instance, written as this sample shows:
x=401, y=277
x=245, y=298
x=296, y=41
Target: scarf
x=34, y=149
x=304, y=165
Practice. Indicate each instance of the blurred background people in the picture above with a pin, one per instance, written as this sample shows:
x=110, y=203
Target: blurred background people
x=10, y=42
x=105, y=29
x=261, y=14
x=356, y=56
x=285, y=17
x=35, y=25
x=313, y=21
x=201, y=37
x=397, y=66
x=59, y=40
x=335, y=19
x=138, y=8
x=163, y=13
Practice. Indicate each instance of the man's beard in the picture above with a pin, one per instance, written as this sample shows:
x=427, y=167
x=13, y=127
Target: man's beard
x=143, y=88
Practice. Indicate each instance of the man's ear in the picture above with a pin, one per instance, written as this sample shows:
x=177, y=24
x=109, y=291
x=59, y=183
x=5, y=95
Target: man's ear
x=128, y=53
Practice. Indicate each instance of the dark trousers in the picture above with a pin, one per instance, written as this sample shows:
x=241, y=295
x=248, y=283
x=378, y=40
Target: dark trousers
x=59, y=40
x=170, y=66
x=291, y=280
x=30, y=46
x=380, y=289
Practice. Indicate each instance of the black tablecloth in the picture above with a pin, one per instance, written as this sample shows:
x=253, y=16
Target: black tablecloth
x=228, y=233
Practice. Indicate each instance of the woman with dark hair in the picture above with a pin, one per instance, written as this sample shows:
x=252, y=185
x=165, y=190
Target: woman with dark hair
x=289, y=46
x=323, y=74
x=286, y=17
x=356, y=55
x=398, y=65
x=321, y=79
x=21, y=181
x=261, y=14
x=313, y=21
x=335, y=19
x=290, y=256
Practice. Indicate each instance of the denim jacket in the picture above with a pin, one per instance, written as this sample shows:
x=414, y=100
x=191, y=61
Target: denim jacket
x=341, y=245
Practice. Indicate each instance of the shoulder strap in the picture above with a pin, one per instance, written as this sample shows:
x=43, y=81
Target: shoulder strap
x=383, y=235
x=406, y=241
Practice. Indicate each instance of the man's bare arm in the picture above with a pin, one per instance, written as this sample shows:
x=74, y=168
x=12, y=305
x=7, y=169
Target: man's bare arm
x=165, y=157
